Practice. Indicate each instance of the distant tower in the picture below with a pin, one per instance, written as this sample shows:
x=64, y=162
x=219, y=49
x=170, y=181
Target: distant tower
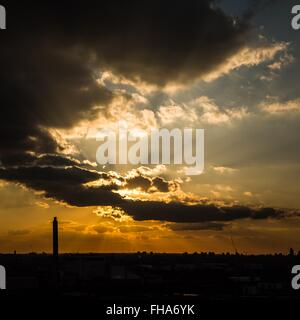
x=55, y=238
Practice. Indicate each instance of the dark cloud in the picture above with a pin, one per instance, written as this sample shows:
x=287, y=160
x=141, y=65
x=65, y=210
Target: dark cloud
x=82, y=196
x=161, y=184
x=165, y=41
x=39, y=92
x=180, y=212
x=146, y=183
x=37, y=177
x=156, y=41
x=70, y=185
x=52, y=53
x=56, y=160
x=139, y=182
x=265, y=213
x=65, y=184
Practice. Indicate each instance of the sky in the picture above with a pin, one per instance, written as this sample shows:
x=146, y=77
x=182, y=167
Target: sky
x=228, y=67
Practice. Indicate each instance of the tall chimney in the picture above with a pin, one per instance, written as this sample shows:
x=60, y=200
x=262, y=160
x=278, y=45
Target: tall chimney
x=55, y=238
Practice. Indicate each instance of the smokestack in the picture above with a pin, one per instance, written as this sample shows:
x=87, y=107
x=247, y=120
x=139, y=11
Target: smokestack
x=55, y=238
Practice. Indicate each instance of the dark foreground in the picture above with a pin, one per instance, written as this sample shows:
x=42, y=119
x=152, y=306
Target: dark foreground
x=215, y=284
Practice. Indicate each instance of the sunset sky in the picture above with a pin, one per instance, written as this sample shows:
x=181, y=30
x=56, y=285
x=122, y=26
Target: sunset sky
x=230, y=67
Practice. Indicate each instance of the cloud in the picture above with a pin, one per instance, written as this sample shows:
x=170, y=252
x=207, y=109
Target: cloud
x=35, y=176
x=224, y=170
x=48, y=87
x=181, y=213
x=42, y=204
x=64, y=184
x=156, y=170
x=214, y=226
x=141, y=39
x=139, y=182
x=249, y=56
x=136, y=228
x=82, y=187
x=174, y=113
x=102, y=229
x=148, y=184
x=209, y=112
x=161, y=184
x=281, y=107
x=56, y=160
x=79, y=184
x=283, y=61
